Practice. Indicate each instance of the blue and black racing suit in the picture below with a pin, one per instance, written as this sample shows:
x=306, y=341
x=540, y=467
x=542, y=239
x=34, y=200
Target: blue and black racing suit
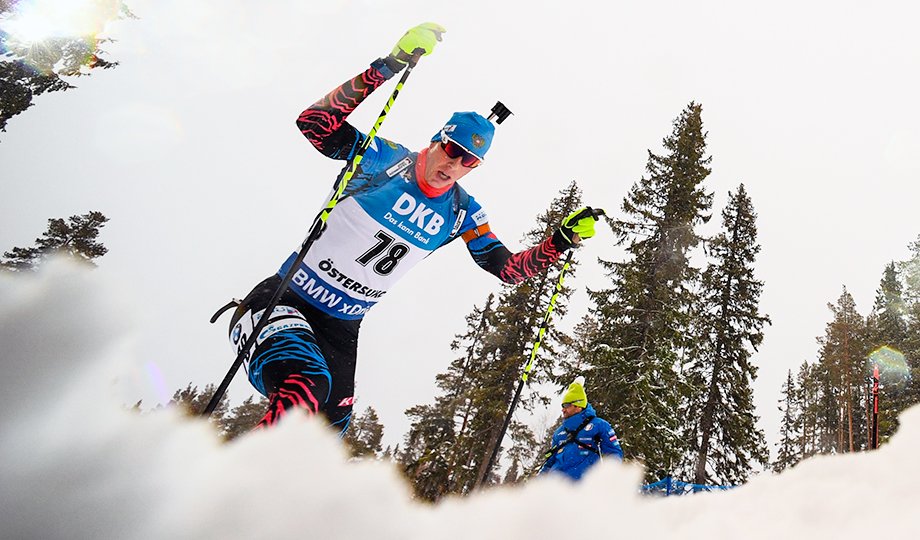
x=382, y=226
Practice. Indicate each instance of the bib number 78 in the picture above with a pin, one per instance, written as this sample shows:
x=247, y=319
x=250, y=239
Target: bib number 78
x=386, y=252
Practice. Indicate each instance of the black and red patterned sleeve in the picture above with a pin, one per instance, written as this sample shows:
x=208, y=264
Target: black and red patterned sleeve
x=323, y=123
x=491, y=255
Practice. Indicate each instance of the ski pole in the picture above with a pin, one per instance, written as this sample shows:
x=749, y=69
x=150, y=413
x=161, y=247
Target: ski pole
x=529, y=366
x=875, y=380
x=315, y=230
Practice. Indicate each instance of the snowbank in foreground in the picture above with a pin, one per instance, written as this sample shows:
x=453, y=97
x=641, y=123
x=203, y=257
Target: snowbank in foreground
x=75, y=464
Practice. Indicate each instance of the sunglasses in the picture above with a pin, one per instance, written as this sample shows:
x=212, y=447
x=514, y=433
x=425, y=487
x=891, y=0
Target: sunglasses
x=454, y=151
x=566, y=405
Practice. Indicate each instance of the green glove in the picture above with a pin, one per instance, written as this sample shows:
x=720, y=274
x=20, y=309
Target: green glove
x=581, y=223
x=424, y=36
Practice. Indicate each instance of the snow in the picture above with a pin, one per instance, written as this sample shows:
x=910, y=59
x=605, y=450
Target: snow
x=76, y=463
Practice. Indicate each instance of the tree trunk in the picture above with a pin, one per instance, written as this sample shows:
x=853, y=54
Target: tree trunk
x=848, y=384
x=841, y=414
x=868, y=420
x=493, y=440
x=709, y=410
x=706, y=423
x=850, y=420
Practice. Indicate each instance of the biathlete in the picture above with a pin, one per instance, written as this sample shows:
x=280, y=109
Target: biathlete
x=398, y=208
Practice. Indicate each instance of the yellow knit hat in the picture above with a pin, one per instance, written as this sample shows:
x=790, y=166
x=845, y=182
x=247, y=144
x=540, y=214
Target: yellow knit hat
x=576, y=393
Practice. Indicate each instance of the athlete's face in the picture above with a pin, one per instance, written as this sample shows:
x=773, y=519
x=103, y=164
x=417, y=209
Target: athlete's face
x=440, y=169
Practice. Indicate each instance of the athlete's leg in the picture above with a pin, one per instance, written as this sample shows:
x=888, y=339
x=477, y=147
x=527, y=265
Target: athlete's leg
x=338, y=341
x=303, y=358
x=290, y=370
x=286, y=364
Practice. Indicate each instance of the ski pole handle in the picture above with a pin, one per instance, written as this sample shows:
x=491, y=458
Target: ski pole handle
x=417, y=55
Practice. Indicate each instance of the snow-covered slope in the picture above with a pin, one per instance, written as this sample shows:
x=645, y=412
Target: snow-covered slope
x=74, y=463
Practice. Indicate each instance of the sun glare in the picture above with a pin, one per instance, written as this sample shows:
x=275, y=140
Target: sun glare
x=38, y=20
x=892, y=362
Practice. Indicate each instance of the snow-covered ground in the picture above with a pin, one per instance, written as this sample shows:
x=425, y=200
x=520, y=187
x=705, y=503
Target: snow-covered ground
x=75, y=463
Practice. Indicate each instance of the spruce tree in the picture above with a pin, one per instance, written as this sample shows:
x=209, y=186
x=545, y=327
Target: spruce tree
x=909, y=271
x=724, y=441
x=887, y=334
x=643, y=324
x=544, y=443
x=449, y=443
x=887, y=322
x=75, y=238
x=244, y=417
x=787, y=453
x=428, y=450
x=230, y=424
x=828, y=417
x=440, y=435
x=437, y=451
x=519, y=313
x=521, y=452
x=807, y=391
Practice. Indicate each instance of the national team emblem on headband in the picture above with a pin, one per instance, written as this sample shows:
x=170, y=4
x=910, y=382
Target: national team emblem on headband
x=478, y=141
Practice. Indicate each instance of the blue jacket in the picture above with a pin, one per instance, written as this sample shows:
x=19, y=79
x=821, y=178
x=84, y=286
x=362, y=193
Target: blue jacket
x=596, y=438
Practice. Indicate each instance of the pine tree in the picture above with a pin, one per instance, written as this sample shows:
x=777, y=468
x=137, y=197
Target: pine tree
x=788, y=453
x=833, y=390
x=193, y=402
x=723, y=438
x=75, y=238
x=843, y=353
x=364, y=435
x=643, y=324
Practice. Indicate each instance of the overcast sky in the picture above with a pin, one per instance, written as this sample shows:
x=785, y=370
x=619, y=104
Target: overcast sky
x=190, y=148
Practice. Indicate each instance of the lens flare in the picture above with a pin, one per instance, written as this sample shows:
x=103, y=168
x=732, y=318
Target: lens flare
x=891, y=363
x=156, y=379
x=59, y=37
x=38, y=20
